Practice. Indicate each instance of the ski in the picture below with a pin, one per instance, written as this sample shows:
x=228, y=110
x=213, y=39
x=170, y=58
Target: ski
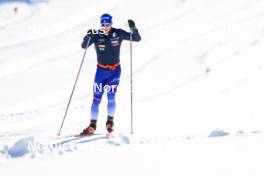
x=106, y=135
x=78, y=136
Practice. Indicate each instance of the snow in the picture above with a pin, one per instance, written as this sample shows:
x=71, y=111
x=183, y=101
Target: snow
x=198, y=89
x=218, y=133
x=8, y=14
x=19, y=149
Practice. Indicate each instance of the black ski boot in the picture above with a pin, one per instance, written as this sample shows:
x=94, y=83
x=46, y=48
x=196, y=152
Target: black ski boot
x=110, y=124
x=90, y=129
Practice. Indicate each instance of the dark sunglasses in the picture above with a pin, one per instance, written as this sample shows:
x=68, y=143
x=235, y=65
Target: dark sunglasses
x=106, y=24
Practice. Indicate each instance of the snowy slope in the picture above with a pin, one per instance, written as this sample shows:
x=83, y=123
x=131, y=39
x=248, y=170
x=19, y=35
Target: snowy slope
x=199, y=68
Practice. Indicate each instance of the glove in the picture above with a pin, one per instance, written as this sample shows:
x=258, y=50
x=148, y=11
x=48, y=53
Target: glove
x=89, y=33
x=131, y=24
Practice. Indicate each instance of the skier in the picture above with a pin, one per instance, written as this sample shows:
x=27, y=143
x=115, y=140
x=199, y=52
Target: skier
x=15, y=9
x=107, y=45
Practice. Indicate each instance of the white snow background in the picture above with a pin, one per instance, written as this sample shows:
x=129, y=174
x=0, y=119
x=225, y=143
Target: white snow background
x=198, y=89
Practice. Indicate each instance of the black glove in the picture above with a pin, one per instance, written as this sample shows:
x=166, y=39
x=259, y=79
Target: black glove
x=131, y=24
x=90, y=33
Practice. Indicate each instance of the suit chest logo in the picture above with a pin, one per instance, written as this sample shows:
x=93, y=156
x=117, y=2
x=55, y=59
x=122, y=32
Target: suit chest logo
x=115, y=42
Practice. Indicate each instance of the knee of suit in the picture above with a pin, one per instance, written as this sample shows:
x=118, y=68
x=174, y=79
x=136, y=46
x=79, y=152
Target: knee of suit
x=97, y=99
x=111, y=96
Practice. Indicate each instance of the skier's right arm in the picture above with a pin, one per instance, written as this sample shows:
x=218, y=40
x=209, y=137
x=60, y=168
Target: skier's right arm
x=88, y=38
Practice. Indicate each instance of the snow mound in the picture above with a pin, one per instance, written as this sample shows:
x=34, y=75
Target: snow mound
x=218, y=133
x=28, y=146
x=20, y=148
x=119, y=140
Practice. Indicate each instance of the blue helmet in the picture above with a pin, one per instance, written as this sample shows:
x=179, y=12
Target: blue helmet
x=106, y=20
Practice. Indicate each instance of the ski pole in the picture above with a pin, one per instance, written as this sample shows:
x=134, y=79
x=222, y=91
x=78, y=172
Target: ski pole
x=73, y=89
x=131, y=84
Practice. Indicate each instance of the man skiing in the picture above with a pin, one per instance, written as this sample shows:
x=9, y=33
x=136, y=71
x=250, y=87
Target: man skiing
x=107, y=45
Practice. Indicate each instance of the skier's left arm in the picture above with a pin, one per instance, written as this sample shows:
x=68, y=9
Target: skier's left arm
x=135, y=34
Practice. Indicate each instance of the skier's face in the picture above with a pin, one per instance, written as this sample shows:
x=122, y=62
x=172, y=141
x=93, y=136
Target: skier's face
x=106, y=27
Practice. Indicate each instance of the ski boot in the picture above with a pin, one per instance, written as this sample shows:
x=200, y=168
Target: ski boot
x=110, y=124
x=90, y=129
